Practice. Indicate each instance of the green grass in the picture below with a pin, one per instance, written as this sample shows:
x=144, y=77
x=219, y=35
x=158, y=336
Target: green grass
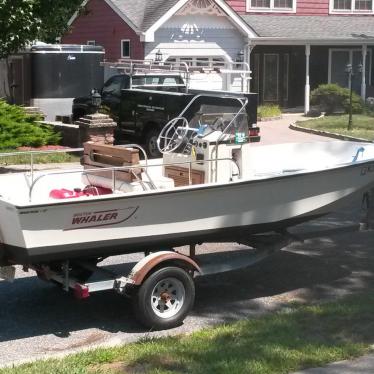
x=363, y=126
x=268, y=111
x=295, y=338
x=22, y=159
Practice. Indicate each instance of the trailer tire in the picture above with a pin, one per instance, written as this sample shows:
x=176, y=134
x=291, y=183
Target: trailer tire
x=165, y=298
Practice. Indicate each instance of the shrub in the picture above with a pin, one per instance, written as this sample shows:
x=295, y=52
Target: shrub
x=332, y=98
x=20, y=129
x=268, y=110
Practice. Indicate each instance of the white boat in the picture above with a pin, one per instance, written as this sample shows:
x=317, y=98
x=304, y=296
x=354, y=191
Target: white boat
x=210, y=185
x=211, y=189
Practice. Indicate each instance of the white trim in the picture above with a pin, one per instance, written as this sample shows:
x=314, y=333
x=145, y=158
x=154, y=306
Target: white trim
x=76, y=14
x=271, y=9
x=238, y=21
x=307, y=79
x=149, y=34
x=114, y=8
x=363, y=76
x=350, y=11
x=129, y=41
x=264, y=75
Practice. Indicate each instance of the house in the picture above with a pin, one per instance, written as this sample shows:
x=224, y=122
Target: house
x=292, y=46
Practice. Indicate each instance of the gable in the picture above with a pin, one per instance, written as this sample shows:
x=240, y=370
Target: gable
x=200, y=7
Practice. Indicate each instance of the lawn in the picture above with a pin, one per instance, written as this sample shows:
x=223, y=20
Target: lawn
x=14, y=157
x=295, y=338
x=363, y=126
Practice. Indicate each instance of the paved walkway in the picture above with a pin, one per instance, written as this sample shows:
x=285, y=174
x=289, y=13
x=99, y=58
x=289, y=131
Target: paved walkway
x=278, y=131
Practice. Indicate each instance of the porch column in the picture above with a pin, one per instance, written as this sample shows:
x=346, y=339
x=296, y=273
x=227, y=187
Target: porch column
x=363, y=75
x=307, y=80
x=248, y=54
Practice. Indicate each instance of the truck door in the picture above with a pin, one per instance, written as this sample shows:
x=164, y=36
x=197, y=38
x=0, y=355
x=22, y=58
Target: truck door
x=111, y=94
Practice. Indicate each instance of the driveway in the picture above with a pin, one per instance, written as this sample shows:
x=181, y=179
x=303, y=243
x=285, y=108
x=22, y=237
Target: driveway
x=278, y=131
x=39, y=320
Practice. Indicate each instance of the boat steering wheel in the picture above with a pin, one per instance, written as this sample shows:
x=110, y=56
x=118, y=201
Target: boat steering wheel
x=172, y=135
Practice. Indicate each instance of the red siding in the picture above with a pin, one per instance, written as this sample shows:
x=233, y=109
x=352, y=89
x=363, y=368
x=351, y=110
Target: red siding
x=315, y=8
x=104, y=26
x=237, y=5
x=303, y=7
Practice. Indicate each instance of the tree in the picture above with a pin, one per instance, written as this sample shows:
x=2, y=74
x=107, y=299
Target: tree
x=18, y=25
x=24, y=21
x=55, y=15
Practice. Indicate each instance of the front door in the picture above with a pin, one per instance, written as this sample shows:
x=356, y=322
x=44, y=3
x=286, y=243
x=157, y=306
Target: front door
x=270, y=77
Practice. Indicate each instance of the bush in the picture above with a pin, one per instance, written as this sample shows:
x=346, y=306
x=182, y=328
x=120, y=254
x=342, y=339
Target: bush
x=332, y=98
x=18, y=129
x=268, y=110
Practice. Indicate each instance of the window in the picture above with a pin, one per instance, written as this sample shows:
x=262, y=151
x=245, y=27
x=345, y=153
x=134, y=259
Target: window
x=91, y=42
x=271, y=5
x=351, y=6
x=271, y=74
x=112, y=87
x=125, y=48
x=339, y=58
x=208, y=62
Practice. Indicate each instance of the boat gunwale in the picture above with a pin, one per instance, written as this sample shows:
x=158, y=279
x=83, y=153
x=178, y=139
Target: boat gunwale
x=184, y=189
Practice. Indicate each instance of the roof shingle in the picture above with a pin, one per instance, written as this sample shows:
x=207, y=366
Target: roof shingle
x=143, y=13
x=312, y=27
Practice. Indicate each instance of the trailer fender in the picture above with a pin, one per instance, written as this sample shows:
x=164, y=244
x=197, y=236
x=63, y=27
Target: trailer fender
x=140, y=271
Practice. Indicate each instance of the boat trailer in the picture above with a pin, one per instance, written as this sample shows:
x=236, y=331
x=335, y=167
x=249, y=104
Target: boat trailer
x=161, y=284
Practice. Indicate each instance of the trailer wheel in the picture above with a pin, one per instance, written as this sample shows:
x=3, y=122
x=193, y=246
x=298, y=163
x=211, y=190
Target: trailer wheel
x=165, y=298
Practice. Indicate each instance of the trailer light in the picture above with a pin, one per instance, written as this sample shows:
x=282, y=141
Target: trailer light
x=254, y=132
x=81, y=291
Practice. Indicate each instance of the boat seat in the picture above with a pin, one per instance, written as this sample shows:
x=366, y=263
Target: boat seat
x=100, y=156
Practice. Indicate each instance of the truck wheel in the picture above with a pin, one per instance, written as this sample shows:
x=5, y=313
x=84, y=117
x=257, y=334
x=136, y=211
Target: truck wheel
x=165, y=298
x=151, y=144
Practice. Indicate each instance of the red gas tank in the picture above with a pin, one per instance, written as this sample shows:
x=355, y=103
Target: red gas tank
x=64, y=193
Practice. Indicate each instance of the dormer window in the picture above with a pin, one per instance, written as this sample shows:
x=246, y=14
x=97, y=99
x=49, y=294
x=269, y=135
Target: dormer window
x=351, y=6
x=283, y=6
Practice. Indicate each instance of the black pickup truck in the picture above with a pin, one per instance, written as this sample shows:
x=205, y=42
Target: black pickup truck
x=142, y=104
x=111, y=91
x=143, y=113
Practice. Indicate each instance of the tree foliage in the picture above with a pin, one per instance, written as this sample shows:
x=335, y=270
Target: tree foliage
x=24, y=21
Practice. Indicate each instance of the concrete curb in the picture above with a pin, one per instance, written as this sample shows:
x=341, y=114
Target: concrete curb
x=268, y=119
x=295, y=127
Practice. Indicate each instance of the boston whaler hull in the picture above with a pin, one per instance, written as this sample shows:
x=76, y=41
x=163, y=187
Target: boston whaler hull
x=115, y=224
x=211, y=185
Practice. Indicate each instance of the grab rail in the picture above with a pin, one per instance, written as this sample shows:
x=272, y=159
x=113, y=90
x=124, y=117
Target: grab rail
x=33, y=153
x=122, y=168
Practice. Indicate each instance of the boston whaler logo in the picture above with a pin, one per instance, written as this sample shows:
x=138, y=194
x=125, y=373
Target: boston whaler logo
x=85, y=220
